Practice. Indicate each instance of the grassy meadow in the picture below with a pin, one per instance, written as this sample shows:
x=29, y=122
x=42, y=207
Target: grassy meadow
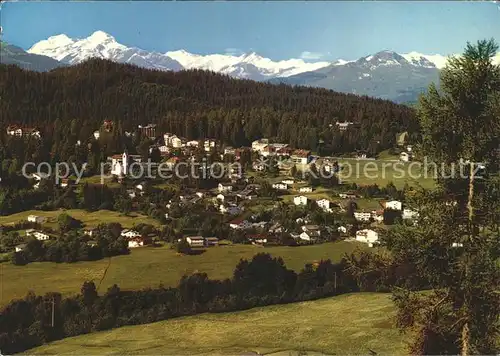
x=150, y=266
x=89, y=219
x=347, y=324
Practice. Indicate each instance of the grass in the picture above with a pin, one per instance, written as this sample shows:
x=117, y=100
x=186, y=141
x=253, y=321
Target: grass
x=90, y=219
x=348, y=324
x=368, y=172
x=150, y=266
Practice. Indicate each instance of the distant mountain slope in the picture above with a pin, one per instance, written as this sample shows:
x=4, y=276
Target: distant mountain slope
x=386, y=75
x=10, y=54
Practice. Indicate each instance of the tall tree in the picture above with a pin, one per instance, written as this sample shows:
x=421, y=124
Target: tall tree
x=455, y=245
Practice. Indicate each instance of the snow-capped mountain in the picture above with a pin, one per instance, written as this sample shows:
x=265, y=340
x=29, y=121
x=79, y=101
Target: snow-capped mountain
x=103, y=45
x=386, y=74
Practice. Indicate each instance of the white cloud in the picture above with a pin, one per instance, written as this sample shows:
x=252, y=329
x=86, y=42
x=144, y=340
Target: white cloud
x=311, y=55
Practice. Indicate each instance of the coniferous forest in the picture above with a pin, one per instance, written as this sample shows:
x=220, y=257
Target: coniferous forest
x=199, y=104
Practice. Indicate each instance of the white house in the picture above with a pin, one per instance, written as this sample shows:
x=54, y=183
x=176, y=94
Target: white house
x=343, y=125
x=258, y=239
x=367, y=236
x=231, y=210
x=409, y=214
x=300, y=200
x=239, y=224
x=39, y=235
x=129, y=233
x=224, y=187
x=211, y=241
x=324, y=204
x=192, y=143
x=259, y=145
x=20, y=247
x=378, y=216
x=405, y=156
x=280, y=186
x=288, y=181
x=362, y=215
x=306, y=189
x=394, y=205
x=97, y=134
x=309, y=236
x=342, y=229
x=137, y=242
x=195, y=241
x=37, y=219
x=300, y=156
x=209, y=145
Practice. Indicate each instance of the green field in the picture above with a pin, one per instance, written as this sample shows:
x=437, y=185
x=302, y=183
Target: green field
x=347, y=324
x=381, y=172
x=90, y=219
x=150, y=266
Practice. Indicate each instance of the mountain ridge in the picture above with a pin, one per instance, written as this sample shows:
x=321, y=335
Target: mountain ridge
x=386, y=74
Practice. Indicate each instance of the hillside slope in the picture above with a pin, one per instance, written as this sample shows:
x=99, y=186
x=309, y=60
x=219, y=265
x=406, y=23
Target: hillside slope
x=348, y=324
x=198, y=104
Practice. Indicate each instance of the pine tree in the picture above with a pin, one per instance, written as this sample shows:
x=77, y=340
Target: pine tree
x=454, y=247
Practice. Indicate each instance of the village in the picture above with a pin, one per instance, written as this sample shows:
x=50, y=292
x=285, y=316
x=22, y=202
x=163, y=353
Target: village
x=259, y=180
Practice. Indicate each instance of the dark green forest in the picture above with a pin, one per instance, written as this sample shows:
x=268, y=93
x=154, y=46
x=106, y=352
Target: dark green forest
x=198, y=104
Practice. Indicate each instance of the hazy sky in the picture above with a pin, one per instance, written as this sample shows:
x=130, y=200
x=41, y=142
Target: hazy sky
x=278, y=30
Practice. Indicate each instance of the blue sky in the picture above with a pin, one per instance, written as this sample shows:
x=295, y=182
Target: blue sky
x=278, y=30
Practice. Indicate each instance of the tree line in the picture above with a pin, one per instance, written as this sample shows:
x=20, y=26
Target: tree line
x=195, y=104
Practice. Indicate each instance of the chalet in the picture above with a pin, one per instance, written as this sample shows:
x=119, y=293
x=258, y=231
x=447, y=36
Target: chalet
x=211, y=241
x=343, y=126
x=393, y=205
x=324, y=204
x=259, y=145
x=14, y=130
x=37, y=219
x=409, y=214
x=300, y=200
x=257, y=239
x=148, y=130
x=367, y=236
x=224, y=187
x=20, y=247
x=268, y=150
x=239, y=224
x=284, y=151
x=362, y=215
x=310, y=236
x=209, y=145
x=348, y=195
x=195, y=241
x=163, y=149
x=230, y=210
x=301, y=156
x=172, y=140
x=276, y=228
x=280, y=186
x=139, y=241
x=378, y=215
x=39, y=235
x=306, y=189
x=229, y=151
x=129, y=233
x=405, y=156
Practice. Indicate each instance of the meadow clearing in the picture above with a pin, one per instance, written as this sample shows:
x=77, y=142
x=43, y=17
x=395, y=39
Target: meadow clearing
x=348, y=324
x=152, y=266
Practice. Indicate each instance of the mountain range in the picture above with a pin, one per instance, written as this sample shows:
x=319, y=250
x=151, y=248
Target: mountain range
x=386, y=74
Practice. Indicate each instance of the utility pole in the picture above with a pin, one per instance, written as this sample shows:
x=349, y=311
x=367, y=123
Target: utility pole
x=53, y=307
